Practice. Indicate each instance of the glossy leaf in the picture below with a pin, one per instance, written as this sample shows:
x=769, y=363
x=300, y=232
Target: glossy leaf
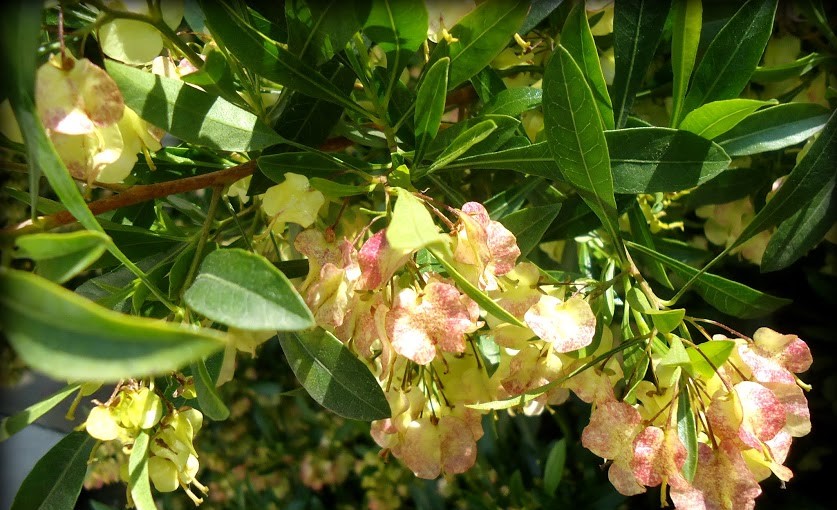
x=798, y=234
x=190, y=114
x=212, y=405
x=319, y=29
x=576, y=138
x=56, y=480
x=732, y=56
x=399, y=28
x=687, y=431
x=730, y=297
x=528, y=225
x=66, y=336
x=507, y=128
x=578, y=40
x=637, y=28
x=267, y=58
x=727, y=186
x=462, y=143
x=59, y=257
x=685, y=35
x=553, y=470
x=665, y=321
x=513, y=101
x=482, y=34
x=716, y=118
x=430, y=105
x=642, y=234
x=774, y=128
x=309, y=164
x=473, y=292
x=333, y=376
x=244, y=290
x=340, y=190
x=411, y=227
x=138, y=481
x=11, y=425
x=789, y=70
x=538, y=12
x=815, y=171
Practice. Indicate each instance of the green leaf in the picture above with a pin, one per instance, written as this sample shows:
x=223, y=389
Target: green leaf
x=732, y=56
x=716, y=352
x=538, y=12
x=727, y=296
x=482, y=34
x=190, y=114
x=642, y=235
x=553, y=470
x=716, y=118
x=685, y=36
x=333, y=376
x=676, y=355
x=727, y=186
x=340, y=190
x=666, y=320
x=473, y=292
x=789, y=70
x=687, y=431
x=513, y=102
x=802, y=231
x=462, y=143
x=529, y=224
x=59, y=257
x=309, y=164
x=815, y=171
x=56, y=480
x=11, y=425
x=244, y=290
x=637, y=28
x=399, y=28
x=430, y=105
x=211, y=403
x=411, y=227
x=774, y=128
x=138, y=482
x=66, y=336
x=319, y=29
x=267, y=58
x=507, y=128
x=578, y=40
x=576, y=137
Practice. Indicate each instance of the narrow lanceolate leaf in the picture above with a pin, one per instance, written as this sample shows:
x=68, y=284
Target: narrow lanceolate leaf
x=333, y=376
x=56, y=480
x=716, y=118
x=14, y=424
x=637, y=28
x=190, y=114
x=686, y=20
x=687, y=431
x=732, y=56
x=430, y=105
x=471, y=137
x=642, y=160
x=528, y=225
x=398, y=27
x=727, y=296
x=138, y=481
x=642, y=235
x=814, y=172
x=59, y=257
x=802, y=231
x=267, y=58
x=67, y=336
x=576, y=138
x=318, y=30
x=244, y=290
x=774, y=128
x=553, y=470
x=482, y=34
x=577, y=38
x=513, y=101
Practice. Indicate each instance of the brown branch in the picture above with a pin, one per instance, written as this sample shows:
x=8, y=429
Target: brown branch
x=136, y=195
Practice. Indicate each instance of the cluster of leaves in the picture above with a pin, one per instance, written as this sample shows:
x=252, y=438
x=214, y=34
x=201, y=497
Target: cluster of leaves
x=602, y=149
